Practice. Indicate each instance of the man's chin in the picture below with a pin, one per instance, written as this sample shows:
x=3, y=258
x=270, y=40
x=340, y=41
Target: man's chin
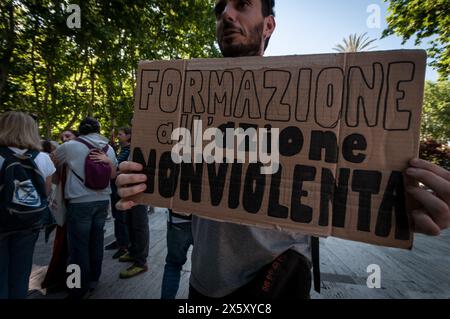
x=234, y=51
x=230, y=52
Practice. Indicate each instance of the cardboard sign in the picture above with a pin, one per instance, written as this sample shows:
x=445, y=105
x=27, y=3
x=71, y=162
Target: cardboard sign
x=320, y=147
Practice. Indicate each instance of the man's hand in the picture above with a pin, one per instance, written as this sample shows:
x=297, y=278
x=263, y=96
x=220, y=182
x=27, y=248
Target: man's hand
x=103, y=158
x=434, y=213
x=100, y=157
x=129, y=184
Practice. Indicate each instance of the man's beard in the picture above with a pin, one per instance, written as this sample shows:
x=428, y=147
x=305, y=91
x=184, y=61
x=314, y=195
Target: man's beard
x=251, y=48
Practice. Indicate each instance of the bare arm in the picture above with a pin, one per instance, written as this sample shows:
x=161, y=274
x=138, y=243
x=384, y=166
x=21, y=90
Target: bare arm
x=48, y=185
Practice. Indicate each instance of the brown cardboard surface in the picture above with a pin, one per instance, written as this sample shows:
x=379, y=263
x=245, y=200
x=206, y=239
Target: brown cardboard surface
x=365, y=107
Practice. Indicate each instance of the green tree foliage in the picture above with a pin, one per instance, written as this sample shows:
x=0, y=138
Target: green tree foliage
x=435, y=131
x=355, y=43
x=436, y=111
x=424, y=19
x=63, y=74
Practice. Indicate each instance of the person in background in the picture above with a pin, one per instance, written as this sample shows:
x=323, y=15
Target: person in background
x=179, y=239
x=19, y=138
x=139, y=232
x=48, y=221
x=55, y=278
x=120, y=218
x=49, y=146
x=124, y=137
x=112, y=140
x=131, y=226
x=68, y=135
x=87, y=208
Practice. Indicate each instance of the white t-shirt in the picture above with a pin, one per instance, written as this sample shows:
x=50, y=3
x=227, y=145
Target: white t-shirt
x=43, y=162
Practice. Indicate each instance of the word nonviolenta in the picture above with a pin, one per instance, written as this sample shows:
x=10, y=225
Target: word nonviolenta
x=247, y=190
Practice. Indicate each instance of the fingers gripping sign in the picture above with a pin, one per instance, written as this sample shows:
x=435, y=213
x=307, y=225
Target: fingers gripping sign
x=129, y=183
x=433, y=214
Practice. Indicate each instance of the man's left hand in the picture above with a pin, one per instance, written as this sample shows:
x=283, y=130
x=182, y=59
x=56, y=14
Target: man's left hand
x=434, y=214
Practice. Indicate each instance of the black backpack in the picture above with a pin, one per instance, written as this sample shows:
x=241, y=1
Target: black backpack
x=22, y=192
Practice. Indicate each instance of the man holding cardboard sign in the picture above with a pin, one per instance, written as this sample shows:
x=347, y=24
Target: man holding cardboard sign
x=345, y=127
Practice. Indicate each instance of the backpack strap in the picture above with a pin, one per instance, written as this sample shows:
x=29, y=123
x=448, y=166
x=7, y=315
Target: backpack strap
x=316, y=262
x=77, y=176
x=30, y=155
x=82, y=141
x=170, y=216
x=90, y=146
x=33, y=154
x=6, y=153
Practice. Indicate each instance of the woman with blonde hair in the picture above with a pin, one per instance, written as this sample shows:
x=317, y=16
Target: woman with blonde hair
x=25, y=181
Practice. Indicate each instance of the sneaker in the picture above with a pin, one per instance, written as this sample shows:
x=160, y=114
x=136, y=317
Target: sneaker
x=126, y=258
x=112, y=246
x=120, y=253
x=133, y=271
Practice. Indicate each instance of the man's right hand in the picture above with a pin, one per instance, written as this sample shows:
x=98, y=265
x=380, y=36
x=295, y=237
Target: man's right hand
x=129, y=183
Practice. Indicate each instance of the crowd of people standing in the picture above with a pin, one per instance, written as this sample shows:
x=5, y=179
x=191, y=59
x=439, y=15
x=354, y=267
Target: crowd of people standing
x=54, y=182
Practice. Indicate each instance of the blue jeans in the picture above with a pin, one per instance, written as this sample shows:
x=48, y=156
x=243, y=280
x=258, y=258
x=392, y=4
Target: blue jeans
x=85, y=223
x=16, y=260
x=179, y=239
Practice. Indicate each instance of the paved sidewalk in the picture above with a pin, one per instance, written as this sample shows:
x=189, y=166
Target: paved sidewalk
x=423, y=272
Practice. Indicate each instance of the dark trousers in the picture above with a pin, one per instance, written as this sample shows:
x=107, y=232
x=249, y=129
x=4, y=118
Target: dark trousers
x=120, y=220
x=85, y=223
x=16, y=261
x=55, y=277
x=139, y=232
x=179, y=239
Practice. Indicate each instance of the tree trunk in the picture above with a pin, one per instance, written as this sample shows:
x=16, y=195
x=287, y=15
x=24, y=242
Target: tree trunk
x=92, y=78
x=77, y=86
x=72, y=121
x=112, y=112
x=34, y=75
x=5, y=61
x=45, y=111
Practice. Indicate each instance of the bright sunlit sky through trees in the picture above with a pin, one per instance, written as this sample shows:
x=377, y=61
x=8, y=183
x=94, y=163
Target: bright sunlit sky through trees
x=316, y=26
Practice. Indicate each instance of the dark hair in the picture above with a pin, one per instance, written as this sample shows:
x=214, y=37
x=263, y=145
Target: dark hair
x=47, y=146
x=127, y=131
x=89, y=125
x=268, y=9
